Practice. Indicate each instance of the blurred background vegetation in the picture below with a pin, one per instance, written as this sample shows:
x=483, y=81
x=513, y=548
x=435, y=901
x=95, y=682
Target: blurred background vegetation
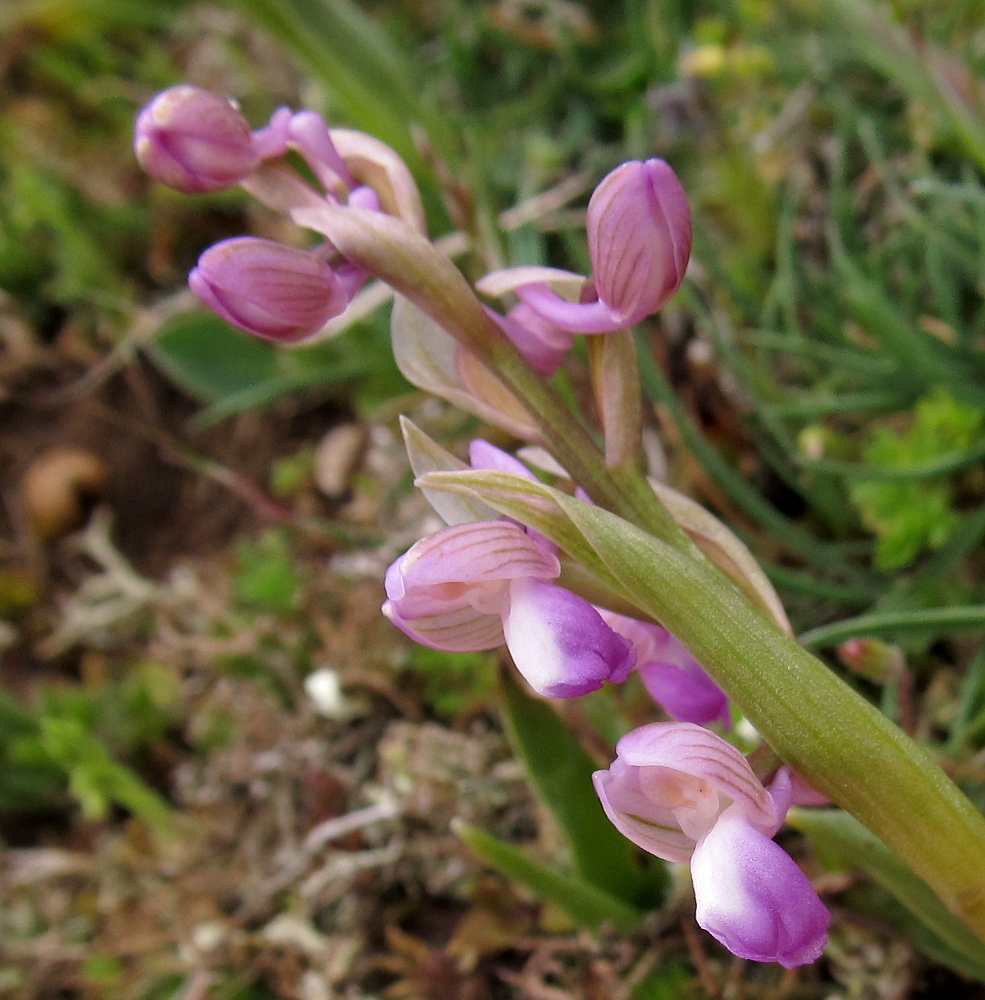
x=194, y=526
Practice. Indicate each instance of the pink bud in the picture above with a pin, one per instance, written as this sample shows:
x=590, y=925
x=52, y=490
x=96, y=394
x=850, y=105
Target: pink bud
x=268, y=289
x=873, y=659
x=194, y=141
x=639, y=238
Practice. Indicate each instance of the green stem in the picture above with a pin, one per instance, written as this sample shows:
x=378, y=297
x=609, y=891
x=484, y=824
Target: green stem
x=623, y=490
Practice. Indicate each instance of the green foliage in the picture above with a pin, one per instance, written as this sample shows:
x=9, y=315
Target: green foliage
x=267, y=576
x=102, y=970
x=95, y=779
x=589, y=905
x=73, y=740
x=233, y=371
x=911, y=515
x=668, y=981
x=454, y=682
x=561, y=772
x=30, y=782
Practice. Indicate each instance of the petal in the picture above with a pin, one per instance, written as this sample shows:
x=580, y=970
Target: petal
x=483, y=455
x=460, y=630
x=194, y=140
x=645, y=637
x=636, y=817
x=639, y=238
x=268, y=289
x=801, y=793
x=477, y=553
x=559, y=642
x=309, y=135
x=578, y=317
x=686, y=747
x=685, y=693
x=753, y=898
x=673, y=677
x=564, y=283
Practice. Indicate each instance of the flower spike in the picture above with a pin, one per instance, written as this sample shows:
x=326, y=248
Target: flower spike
x=476, y=585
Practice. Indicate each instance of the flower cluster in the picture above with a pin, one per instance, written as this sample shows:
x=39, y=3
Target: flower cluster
x=676, y=789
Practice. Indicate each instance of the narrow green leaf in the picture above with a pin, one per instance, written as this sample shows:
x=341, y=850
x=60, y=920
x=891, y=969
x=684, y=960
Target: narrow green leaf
x=587, y=904
x=969, y=699
x=211, y=360
x=842, y=842
x=941, y=466
x=370, y=81
x=561, y=772
x=921, y=621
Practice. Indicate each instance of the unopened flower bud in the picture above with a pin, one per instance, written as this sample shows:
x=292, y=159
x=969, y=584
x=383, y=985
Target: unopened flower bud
x=639, y=238
x=268, y=289
x=873, y=659
x=194, y=141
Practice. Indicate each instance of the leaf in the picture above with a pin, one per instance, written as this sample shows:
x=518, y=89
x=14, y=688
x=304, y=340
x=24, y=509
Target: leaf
x=587, y=904
x=234, y=371
x=842, y=842
x=561, y=772
x=909, y=515
x=95, y=779
x=895, y=624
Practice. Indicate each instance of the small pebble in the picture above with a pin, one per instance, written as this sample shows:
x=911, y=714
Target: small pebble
x=338, y=454
x=59, y=487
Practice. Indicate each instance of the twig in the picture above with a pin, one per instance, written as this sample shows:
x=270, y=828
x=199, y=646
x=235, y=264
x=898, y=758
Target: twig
x=339, y=826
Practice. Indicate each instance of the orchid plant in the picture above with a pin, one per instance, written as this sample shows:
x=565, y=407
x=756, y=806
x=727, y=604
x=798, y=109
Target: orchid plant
x=588, y=570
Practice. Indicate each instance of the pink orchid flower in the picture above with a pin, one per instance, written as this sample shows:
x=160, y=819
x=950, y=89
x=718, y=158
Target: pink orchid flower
x=269, y=289
x=478, y=585
x=685, y=794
